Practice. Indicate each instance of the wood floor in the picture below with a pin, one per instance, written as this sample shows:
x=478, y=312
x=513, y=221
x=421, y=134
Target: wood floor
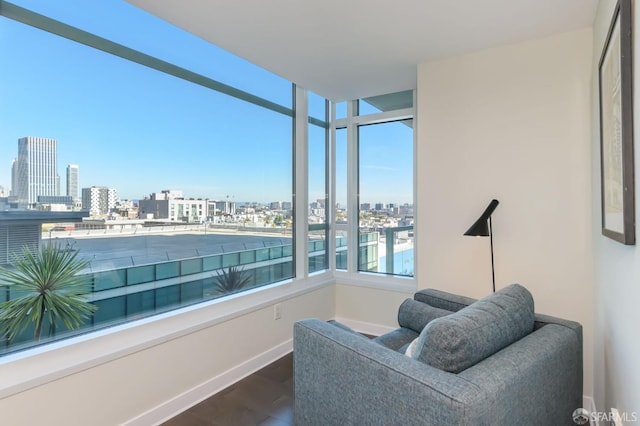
x=263, y=398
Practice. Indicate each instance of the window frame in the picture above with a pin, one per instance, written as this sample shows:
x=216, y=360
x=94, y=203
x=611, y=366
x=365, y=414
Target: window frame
x=351, y=123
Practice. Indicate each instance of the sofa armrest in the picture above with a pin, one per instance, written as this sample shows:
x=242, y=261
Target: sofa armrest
x=340, y=378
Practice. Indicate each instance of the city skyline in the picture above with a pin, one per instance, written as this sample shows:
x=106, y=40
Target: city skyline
x=135, y=129
x=73, y=171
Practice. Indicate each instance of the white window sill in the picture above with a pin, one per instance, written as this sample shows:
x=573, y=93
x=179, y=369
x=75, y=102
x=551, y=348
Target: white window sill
x=34, y=367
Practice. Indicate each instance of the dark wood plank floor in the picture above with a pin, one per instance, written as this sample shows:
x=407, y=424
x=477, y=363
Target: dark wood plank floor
x=263, y=398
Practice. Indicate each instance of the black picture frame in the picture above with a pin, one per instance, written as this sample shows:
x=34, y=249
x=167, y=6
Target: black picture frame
x=616, y=129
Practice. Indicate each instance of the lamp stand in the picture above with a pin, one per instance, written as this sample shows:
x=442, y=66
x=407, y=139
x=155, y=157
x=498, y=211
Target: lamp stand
x=493, y=274
x=482, y=228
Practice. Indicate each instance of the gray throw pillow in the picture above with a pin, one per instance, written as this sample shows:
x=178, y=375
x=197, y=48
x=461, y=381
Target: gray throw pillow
x=416, y=315
x=464, y=338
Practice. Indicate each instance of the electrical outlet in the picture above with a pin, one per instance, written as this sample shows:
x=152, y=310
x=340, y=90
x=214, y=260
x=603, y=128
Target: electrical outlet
x=616, y=420
x=277, y=311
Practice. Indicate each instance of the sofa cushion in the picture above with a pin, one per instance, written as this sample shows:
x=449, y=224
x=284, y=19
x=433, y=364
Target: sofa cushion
x=416, y=315
x=456, y=342
x=398, y=339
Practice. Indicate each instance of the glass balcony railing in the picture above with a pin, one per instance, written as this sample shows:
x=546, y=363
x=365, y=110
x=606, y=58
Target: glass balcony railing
x=387, y=251
x=317, y=247
x=147, y=283
x=398, y=259
x=169, y=280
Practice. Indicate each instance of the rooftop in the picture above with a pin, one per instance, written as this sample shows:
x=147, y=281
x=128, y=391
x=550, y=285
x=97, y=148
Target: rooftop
x=41, y=216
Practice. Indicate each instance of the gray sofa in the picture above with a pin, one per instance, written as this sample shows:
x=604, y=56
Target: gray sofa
x=487, y=362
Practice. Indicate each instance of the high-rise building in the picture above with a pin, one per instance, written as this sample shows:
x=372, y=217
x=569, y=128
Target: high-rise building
x=36, y=169
x=14, y=177
x=98, y=200
x=73, y=175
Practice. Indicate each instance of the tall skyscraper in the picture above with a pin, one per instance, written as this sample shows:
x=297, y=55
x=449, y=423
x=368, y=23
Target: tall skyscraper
x=73, y=175
x=36, y=168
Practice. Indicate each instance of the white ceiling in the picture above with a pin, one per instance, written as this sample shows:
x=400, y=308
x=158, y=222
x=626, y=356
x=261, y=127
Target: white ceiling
x=348, y=49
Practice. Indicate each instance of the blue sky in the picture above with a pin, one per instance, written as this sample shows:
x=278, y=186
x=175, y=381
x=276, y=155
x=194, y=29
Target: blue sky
x=140, y=131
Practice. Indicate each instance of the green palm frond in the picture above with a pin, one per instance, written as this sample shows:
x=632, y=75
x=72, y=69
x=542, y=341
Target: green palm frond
x=232, y=280
x=50, y=289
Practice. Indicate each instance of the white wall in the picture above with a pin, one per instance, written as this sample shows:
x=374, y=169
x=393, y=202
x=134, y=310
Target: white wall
x=617, y=267
x=369, y=310
x=512, y=123
x=145, y=374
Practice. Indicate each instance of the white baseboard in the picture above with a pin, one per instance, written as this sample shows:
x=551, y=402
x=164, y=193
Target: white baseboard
x=365, y=327
x=191, y=397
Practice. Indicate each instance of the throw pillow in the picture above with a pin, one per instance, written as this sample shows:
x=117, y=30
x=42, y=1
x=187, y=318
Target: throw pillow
x=464, y=338
x=411, y=348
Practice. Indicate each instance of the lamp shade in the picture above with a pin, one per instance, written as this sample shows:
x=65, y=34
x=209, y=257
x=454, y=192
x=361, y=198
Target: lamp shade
x=480, y=228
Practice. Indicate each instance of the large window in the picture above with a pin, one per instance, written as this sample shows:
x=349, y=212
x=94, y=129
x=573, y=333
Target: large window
x=183, y=161
x=374, y=146
x=385, y=188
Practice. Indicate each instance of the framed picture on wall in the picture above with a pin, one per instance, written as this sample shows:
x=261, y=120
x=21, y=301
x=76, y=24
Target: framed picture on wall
x=616, y=129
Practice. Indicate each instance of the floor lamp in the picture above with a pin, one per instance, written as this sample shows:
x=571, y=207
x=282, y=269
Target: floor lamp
x=482, y=228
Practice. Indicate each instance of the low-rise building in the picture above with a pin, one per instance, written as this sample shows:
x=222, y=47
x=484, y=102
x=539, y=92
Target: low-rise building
x=172, y=206
x=99, y=200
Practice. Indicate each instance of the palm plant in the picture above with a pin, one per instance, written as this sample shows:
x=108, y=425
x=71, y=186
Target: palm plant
x=50, y=289
x=232, y=280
